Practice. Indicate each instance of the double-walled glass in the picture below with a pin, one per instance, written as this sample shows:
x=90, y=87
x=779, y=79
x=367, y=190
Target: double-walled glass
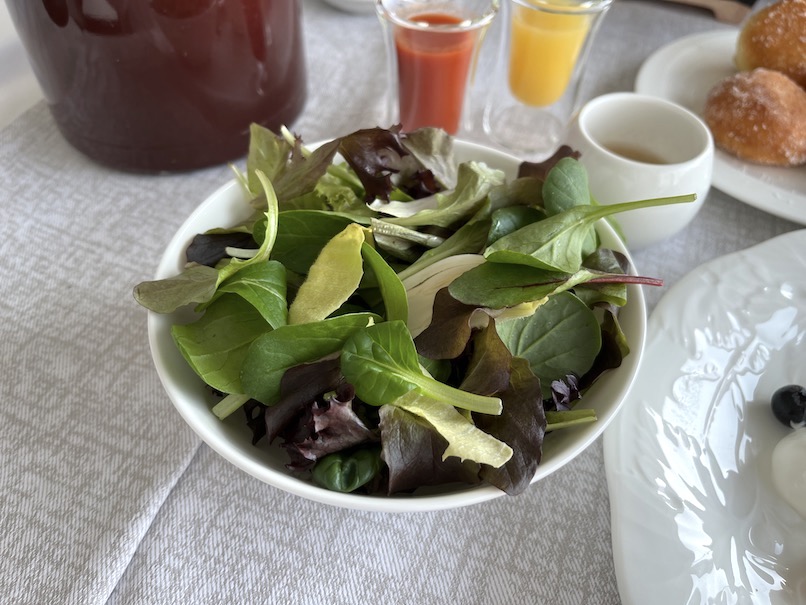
x=432, y=47
x=535, y=88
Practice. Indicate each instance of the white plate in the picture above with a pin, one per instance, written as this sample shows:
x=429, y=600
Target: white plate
x=684, y=72
x=695, y=518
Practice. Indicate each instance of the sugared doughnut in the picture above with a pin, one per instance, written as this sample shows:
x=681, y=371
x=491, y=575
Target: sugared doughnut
x=759, y=116
x=775, y=38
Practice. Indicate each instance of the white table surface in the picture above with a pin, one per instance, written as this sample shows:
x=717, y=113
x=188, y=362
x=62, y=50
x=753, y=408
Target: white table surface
x=107, y=496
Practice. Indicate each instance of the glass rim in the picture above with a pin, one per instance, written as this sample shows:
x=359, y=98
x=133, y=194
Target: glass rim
x=477, y=22
x=565, y=7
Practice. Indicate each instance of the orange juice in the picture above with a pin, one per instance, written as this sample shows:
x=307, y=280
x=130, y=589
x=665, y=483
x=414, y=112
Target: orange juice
x=543, y=52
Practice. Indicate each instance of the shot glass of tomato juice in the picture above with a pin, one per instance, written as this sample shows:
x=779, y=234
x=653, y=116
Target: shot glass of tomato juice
x=432, y=48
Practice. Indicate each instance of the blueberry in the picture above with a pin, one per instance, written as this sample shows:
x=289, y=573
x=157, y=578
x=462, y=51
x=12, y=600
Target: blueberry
x=789, y=404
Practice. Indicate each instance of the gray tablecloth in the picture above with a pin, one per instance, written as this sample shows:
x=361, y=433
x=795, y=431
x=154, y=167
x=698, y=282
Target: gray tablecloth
x=107, y=496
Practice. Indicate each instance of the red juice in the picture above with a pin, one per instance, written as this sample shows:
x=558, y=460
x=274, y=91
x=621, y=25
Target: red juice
x=165, y=84
x=433, y=68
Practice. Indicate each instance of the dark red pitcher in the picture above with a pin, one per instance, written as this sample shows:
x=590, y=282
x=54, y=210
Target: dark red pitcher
x=165, y=85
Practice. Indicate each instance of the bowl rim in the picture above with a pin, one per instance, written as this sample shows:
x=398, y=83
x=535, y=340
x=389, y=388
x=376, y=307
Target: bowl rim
x=168, y=361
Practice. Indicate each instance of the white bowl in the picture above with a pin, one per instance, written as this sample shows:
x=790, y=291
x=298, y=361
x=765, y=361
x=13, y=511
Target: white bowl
x=232, y=439
x=639, y=147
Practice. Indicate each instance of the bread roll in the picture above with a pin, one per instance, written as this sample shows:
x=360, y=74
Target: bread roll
x=759, y=116
x=775, y=38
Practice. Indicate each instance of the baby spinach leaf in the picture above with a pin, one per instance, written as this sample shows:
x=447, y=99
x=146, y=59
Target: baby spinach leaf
x=566, y=186
x=558, y=242
x=347, y=471
x=382, y=363
x=271, y=354
x=510, y=219
x=562, y=337
x=216, y=344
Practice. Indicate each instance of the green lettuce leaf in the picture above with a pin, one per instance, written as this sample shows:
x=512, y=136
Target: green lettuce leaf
x=216, y=345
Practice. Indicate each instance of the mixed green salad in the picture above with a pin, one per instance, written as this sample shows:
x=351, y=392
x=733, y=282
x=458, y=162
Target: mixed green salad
x=395, y=320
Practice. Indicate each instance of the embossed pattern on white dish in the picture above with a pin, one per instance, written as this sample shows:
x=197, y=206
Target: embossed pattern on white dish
x=695, y=517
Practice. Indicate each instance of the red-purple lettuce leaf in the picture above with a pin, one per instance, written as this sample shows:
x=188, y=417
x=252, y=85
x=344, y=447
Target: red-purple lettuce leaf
x=522, y=426
x=375, y=154
x=334, y=427
x=540, y=170
x=614, y=348
x=488, y=371
x=449, y=332
x=299, y=387
x=564, y=393
x=209, y=248
x=412, y=451
x=433, y=148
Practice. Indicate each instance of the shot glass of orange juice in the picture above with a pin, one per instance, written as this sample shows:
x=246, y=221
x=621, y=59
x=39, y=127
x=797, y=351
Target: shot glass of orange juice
x=432, y=47
x=544, y=45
